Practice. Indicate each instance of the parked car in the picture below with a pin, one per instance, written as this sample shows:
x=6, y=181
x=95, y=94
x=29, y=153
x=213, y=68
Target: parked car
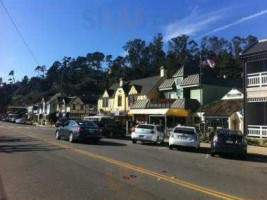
x=79, y=130
x=148, y=133
x=185, y=136
x=21, y=120
x=60, y=122
x=227, y=141
x=15, y=117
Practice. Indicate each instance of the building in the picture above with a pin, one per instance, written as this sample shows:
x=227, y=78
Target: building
x=118, y=99
x=224, y=113
x=255, y=89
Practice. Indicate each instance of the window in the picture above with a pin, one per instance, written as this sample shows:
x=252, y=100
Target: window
x=105, y=102
x=73, y=107
x=119, y=101
x=82, y=106
x=132, y=99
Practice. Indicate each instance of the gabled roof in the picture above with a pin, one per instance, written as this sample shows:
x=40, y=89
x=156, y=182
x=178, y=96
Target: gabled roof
x=256, y=48
x=222, y=107
x=57, y=97
x=191, y=80
x=167, y=84
x=180, y=72
x=146, y=84
x=70, y=100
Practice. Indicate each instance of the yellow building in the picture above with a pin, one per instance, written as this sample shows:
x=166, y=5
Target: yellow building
x=119, y=98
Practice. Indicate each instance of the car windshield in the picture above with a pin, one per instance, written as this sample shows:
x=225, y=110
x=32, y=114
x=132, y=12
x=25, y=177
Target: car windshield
x=86, y=124
x=228, y=132
x=184, y=130
x=143, y=126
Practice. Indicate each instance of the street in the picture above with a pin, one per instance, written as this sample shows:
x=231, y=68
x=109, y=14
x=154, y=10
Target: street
x=34, y=165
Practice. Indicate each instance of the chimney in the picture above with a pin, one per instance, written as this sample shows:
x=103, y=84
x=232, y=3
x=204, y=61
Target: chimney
x=121, y=82
x=163, y=72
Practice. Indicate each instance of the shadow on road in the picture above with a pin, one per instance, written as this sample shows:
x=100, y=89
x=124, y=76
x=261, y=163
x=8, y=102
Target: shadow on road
x=8, y=139
x=251, y=157
x=10, y=144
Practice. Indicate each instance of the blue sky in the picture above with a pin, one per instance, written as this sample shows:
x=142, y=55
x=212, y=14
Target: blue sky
x=57, y=28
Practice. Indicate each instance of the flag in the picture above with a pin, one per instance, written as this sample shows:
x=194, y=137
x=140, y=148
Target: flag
x=209, y=63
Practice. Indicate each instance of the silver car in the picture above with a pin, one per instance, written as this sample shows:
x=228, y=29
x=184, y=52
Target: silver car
x=184, y=136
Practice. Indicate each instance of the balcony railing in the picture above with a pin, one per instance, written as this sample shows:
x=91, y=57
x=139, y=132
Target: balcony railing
x=257, y=131
x=257, y=79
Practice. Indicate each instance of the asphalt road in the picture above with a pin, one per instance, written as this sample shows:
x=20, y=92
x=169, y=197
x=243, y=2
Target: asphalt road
x=33, y=165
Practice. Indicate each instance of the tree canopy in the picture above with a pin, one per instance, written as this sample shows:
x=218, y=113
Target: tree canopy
x=89, y=75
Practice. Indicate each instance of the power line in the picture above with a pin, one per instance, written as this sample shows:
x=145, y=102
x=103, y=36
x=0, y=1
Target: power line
x=19, y=33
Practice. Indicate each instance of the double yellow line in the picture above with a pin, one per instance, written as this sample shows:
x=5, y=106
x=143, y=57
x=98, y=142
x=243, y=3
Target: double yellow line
x=169, y=179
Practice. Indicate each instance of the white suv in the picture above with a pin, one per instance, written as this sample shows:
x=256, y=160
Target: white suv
x=148, y=133
x=184, y=136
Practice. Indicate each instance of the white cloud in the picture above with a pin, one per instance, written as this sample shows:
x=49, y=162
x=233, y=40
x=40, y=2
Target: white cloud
x=192, y=24
x=244, y=19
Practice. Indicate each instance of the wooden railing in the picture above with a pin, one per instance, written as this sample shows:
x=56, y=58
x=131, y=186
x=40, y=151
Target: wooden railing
x=257, y=79
x=257, y=131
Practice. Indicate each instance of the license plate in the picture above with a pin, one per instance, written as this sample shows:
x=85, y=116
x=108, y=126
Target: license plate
x=141, y=136
x=229, y=142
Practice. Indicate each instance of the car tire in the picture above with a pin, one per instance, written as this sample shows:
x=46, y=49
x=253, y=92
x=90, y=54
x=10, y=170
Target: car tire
x=71, y=139
x=57, y=135
x=158, y=142
x=134, y=141
x=171, y=147
x=212, y=154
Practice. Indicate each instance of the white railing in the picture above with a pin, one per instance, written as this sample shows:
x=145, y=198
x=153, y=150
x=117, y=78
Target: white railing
x=257, y=79
x=257, y=131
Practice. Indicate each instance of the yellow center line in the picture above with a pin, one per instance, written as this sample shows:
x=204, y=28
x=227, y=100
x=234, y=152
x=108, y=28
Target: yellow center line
x=169, y=179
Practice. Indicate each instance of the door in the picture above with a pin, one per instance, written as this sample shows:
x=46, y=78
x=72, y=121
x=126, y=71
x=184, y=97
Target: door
x=64, y=130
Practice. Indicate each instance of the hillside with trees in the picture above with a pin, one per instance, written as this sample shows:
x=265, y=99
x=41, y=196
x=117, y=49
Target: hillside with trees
x=90, y=74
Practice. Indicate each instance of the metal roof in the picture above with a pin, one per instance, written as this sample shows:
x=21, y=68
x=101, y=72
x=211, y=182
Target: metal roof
x=191, y=80
x=166, y=84
x=259, y=47
x=140, y=103
x=180, y=72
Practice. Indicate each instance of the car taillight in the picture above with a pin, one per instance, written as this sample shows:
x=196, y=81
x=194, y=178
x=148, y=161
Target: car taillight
x=215, y=138
x=78, y=129
x=152, y=132
x=133, y=130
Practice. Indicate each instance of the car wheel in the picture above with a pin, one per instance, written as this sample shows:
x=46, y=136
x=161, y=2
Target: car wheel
x=159, y=142
x=170, y=147
x=71, y=139
x=57, y=135
x=134, y=141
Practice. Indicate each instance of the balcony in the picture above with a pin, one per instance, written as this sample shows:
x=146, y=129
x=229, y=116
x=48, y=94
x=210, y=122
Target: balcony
x=257, y=131
x=257, y=79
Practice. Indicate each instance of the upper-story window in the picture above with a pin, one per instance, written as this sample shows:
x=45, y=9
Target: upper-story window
x=105, y=102
x=82, y=106
x=73, y=106
x=132, y=99
x=119, y=101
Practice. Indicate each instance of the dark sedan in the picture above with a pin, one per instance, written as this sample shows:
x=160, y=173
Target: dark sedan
x=227, y=141
x=79, y=130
